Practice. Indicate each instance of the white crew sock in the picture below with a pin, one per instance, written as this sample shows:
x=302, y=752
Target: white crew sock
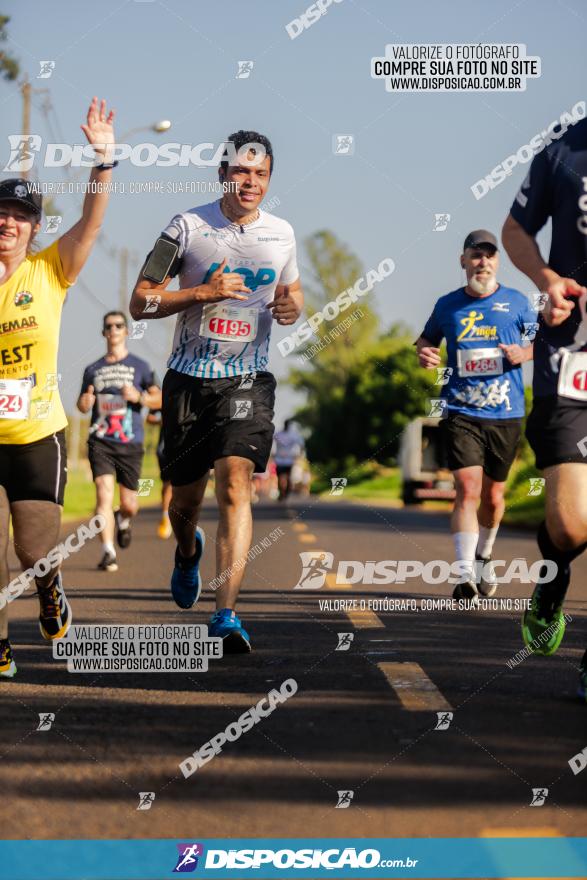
x=108, y=547
x=486, y=541
x=465, y=546
x=123, y=521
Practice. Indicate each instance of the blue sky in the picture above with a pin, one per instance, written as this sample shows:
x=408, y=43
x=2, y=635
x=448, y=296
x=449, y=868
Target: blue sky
x=415, y=154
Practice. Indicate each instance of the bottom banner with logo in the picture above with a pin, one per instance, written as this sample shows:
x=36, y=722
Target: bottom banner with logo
x=366, y=858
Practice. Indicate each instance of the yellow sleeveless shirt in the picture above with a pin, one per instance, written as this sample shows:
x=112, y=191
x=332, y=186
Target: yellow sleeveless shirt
x=30, y=318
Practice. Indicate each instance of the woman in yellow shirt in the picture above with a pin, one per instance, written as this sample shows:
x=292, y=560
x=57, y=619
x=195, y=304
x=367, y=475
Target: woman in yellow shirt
x=32, y=419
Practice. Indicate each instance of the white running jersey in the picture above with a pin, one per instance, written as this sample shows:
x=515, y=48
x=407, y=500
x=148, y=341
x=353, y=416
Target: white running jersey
x=231, y=337
x=289, y=445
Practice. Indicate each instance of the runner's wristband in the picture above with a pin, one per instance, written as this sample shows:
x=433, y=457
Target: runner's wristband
x=105, y=165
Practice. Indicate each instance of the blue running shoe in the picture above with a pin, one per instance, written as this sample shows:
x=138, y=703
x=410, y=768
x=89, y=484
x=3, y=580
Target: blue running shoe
x=225, y=625
x=186, y=581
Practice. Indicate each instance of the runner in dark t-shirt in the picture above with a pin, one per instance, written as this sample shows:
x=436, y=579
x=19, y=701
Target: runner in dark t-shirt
x=115, y=388
x=556, y=188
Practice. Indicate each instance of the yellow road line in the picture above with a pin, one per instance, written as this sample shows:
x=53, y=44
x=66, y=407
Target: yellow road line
x=299, y=527
x=366, y=619
x=521, y=832
x=332, y=585
x=413, y=687
x=307, y=538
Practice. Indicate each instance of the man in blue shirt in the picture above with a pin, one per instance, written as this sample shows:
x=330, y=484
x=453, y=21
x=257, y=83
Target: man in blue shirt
x=115, y=388
x=484, y=325
x=556, y=188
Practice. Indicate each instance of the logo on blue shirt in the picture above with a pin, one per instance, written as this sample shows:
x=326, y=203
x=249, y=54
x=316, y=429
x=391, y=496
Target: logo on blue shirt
x=252, y=280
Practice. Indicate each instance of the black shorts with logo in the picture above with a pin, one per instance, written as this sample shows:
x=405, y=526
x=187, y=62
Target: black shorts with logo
x=35, y=471
x=557, y=431
x=207, y=419
x=489, y=443
x=122, y=460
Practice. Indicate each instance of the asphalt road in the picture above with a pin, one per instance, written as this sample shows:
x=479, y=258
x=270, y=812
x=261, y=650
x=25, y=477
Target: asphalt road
x=363, y=719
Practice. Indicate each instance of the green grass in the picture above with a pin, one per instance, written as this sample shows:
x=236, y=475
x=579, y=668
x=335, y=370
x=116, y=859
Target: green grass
x=384, y=485
x=521, y=509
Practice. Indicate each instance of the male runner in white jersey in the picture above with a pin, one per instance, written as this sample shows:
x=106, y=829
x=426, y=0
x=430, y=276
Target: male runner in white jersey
x=289, y=445
x=238, y=273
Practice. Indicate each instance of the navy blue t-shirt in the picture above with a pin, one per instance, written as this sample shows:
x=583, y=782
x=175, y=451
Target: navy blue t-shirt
x=482, y=381
x=114, y=419
x=556, y=187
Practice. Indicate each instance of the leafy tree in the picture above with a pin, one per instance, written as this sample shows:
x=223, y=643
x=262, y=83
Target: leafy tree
x=335, y=269
x=9, y=66
x=363, y=418
x=362, y=387
x=323, y=375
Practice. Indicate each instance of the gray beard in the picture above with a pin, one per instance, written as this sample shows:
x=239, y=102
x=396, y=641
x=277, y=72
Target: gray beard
x=483, y=288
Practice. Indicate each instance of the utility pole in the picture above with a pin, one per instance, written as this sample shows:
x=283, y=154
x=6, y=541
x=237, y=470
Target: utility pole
x=26, y=112
x=123, y=293
x=26, y=90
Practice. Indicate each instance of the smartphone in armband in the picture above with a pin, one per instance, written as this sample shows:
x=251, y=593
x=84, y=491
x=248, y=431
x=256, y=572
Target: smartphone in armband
x=163, y=260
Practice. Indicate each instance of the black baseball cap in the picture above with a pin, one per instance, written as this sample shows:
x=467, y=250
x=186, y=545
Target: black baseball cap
x=17, y=189
x=480, y=236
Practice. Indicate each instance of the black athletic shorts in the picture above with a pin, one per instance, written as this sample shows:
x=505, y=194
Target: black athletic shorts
x=122, y=460
x=490, y=443
x=35, y=471
x=557, y=431
x=160, y=452
x=283, y=469
x=207, y=419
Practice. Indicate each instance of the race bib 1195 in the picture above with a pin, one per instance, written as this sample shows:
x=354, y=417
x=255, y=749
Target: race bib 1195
x=228, y=324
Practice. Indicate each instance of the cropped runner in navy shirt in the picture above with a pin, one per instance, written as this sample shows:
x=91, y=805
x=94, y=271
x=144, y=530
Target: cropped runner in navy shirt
x=556, y=189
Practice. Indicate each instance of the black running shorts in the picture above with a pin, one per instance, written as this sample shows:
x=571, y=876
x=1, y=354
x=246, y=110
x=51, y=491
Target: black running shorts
x=488, y=443
x=35, y=471
x=122, y=460
x=207, y=419
x=557, y=431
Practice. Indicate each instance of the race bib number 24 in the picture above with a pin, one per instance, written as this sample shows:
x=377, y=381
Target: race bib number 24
x=15, y=398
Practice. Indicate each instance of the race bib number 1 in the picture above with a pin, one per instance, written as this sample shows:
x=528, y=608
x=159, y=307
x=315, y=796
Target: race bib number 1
x=112, y=405
x=480, y=362
x=572, y=377
x=228, y=324
x=15, y=398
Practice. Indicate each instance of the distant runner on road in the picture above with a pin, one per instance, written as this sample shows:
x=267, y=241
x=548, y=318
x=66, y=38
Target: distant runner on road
x=484, y=324
x=115, y=388
x=288, y=446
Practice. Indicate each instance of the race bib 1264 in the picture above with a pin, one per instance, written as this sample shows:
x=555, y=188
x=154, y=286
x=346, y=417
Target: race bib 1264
x=479, y=362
